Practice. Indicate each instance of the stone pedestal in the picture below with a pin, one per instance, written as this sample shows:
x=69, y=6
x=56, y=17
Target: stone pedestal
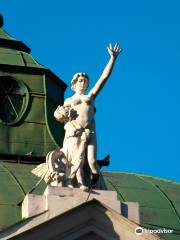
x=57, y=200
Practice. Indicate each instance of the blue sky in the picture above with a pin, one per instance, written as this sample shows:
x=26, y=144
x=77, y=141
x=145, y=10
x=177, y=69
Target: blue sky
x=138, y=111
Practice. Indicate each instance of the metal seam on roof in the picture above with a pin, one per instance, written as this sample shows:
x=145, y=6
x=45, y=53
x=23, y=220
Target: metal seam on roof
x=9, y=204
x=11, y=53
x=12, y=175
x=143, y=175
x=23, y=59
x=162, y=194
x=117, y=190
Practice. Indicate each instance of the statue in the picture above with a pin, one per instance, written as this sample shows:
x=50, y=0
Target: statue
x=80, y=143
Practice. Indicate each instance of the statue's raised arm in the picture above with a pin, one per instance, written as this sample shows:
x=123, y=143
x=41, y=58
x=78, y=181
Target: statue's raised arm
x=107, y=71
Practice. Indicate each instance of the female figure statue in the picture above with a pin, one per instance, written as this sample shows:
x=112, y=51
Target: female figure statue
x=78, y=114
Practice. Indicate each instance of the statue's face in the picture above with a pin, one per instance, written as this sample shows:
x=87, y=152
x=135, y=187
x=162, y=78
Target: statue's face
x=81, y=84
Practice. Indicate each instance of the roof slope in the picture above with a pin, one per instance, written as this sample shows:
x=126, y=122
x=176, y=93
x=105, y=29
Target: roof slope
x=159, y=199
x=15, y=53
x=16, y=180
x=5, y=35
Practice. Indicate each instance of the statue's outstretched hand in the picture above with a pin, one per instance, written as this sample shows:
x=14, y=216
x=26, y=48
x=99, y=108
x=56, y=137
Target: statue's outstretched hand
x=114, y=51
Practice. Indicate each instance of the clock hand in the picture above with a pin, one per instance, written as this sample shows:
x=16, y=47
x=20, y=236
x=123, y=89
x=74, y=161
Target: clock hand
x=12, y=106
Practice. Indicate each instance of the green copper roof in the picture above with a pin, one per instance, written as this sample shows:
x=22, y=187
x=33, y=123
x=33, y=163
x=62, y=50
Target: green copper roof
x=5, y=35
x=16, y=53
x=159, y=199
x=16, y=180
x=6, y=41
x=15, y=56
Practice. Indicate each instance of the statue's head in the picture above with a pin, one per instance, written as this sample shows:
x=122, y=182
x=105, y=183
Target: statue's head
x=80, y=81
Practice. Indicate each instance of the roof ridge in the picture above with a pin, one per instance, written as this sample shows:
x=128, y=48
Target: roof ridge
x=164, y=195
x=147, y=176
x=117, y=190
x=12, y=175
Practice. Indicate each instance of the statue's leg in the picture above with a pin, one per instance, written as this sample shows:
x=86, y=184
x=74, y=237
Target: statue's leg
x=78, y=163
x=92, y=154
x=80, y=179
x=69, y=146
x=80, y=176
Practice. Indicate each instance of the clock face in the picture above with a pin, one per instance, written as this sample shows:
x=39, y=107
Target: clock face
x=14, y=98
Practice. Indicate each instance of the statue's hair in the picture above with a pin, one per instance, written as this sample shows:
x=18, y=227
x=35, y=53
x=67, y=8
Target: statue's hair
x=75, y=78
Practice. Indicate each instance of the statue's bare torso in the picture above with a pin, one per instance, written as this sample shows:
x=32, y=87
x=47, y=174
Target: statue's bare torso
x=85, y=110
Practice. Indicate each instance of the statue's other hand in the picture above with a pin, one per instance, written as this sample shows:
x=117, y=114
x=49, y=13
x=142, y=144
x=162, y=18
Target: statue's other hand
x=61, y=113
x=114, y=51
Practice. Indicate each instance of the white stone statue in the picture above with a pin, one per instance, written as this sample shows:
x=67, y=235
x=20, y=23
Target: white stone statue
x=77, y=113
